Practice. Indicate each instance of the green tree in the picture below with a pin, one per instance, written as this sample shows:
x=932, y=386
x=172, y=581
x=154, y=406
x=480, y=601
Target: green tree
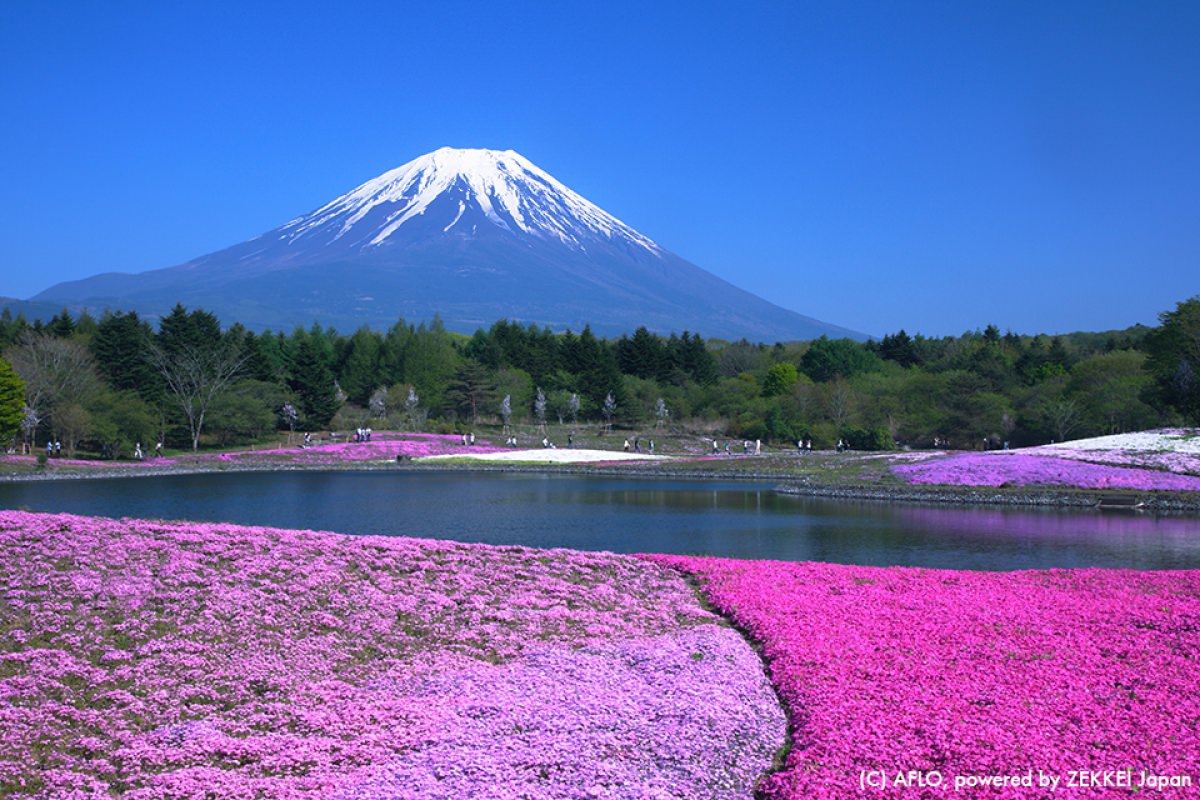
x=899, y=347
x=194, y=332
x=430, y=359
x=122, y=348
x=1174, y=350
x=119, y=421
x=642, y=356
x=61, y=326
x=360, y=373
x=828, y=358
x=12, y=402
x=248, y=410
x=1110, y=387
x=312, y=380
x=469, y=390
x=780, y=379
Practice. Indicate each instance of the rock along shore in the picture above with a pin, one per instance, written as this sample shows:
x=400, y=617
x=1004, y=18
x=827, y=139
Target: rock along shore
x=1157, y=502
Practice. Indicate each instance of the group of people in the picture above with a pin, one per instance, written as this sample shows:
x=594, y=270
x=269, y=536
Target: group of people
x=637, y=445
x=139, y=454
x=804, y=445
x=746, y=445
x=362, y=434
x=468, y=439
x=511, y=441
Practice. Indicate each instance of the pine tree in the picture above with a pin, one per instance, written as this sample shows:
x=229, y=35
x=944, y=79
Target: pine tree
x=122, y=349
x=12, y=402
x=312, y=381
x=360, y=373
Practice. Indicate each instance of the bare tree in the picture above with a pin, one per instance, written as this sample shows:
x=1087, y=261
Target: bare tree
x=1063, y=417
x=412, y=409
x=506, y=412
x=840, y=403
x=57, y=372
x=29, y=426
x=72, y=423
x=290, y=415
x=378, y=403
x=609, y=411
x=661, y=412
x=196, y=375
x=539, y=409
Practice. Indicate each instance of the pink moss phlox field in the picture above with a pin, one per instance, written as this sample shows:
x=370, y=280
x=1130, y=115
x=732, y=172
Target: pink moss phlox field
x=970, y=673
x=52, y=463
x=382, y=447
x=1025, y=469
x=153, y=660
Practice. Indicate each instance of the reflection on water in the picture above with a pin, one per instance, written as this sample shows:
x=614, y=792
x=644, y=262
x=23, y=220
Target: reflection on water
x=626, y=515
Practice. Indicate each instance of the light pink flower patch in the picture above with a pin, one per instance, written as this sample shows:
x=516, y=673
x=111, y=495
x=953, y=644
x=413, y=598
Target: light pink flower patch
x=1169, y=461
x=970, y=673
x=382, y=447
x=1017, y=468
x=51, y=463
x=153, y=660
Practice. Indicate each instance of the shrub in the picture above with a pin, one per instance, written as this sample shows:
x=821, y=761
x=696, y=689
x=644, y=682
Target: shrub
x=867, y=438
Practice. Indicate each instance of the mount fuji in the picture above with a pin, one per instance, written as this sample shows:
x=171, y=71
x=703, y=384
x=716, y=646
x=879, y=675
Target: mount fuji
x=472, y=235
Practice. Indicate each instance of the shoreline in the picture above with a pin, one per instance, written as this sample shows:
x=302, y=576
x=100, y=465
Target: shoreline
x=1155, y=502
x=1027, y=497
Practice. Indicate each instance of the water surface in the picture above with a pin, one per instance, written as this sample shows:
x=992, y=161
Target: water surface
x=735, y=519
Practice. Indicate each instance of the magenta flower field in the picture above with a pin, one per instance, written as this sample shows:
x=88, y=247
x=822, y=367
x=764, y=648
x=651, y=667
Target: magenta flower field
x=382, y=447
x=175, y=660
x=964, y=675
x=1016, y=468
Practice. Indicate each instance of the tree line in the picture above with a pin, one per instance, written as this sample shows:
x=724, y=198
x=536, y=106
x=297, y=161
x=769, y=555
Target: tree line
x=106, y=385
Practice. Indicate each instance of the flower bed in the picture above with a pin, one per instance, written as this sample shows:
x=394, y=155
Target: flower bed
x=548, y=455
x=179, y=660
x=970, y=674
x=1019, y=468
x=382, y=447
x=1172, y=450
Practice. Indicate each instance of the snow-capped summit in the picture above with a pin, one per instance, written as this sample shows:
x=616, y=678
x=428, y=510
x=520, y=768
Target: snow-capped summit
x=502, y=187
x=474, y=236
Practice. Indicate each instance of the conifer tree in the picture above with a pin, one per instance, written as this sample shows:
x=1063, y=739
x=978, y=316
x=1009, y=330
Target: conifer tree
x=12, y=402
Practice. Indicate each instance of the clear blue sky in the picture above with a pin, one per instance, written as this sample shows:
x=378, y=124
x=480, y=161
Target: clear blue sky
x=931, y=166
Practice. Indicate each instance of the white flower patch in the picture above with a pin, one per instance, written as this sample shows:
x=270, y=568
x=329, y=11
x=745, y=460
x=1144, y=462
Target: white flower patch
x=1172, y=440
x=549, y=456
x=1170, y=450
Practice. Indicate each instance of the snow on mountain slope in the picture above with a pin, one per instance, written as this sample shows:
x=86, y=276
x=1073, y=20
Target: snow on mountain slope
x=506, y=188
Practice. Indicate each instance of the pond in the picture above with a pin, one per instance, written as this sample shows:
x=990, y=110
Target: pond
x=734, y=519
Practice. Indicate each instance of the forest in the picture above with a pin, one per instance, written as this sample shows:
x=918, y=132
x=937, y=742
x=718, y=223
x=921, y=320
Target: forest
x=103, y=386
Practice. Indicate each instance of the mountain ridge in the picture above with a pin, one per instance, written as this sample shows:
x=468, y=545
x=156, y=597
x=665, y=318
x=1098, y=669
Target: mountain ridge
x=472, y=235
